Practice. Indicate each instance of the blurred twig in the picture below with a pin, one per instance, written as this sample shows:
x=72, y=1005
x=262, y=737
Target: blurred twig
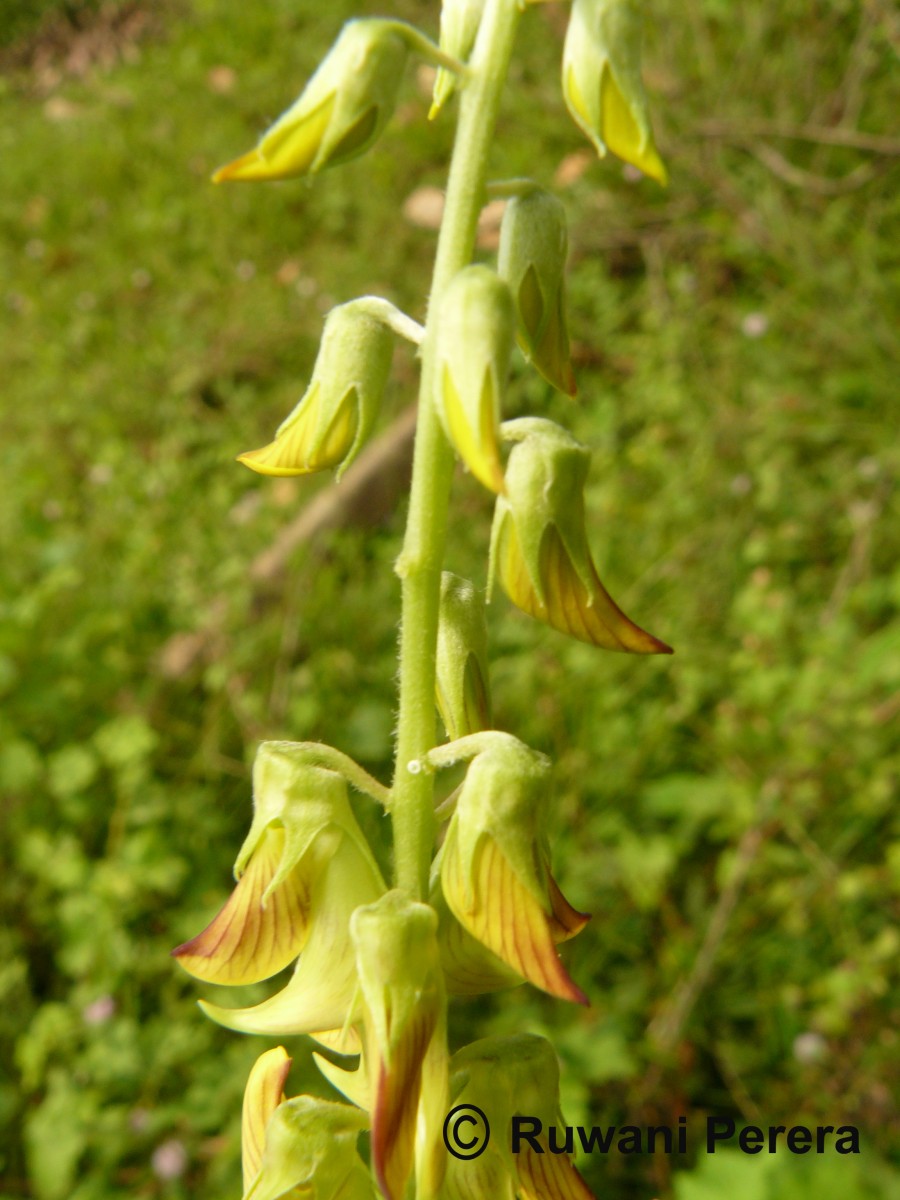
x=853, y=139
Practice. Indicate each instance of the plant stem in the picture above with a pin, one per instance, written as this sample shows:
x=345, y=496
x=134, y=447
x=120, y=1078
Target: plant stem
x=420, y=563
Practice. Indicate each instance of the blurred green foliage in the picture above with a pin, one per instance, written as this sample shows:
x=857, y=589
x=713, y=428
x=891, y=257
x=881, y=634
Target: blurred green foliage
x=729, y=816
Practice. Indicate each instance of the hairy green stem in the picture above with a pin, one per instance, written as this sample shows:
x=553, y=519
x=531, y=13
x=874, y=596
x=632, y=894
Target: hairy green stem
x=419, y=565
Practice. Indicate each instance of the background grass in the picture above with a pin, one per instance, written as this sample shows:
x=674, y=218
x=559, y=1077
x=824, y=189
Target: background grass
x=729, y=816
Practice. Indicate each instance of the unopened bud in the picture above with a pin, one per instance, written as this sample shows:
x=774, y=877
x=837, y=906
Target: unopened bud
x=335, y=417
x=463, y=691
x=475, y=332
x=602, y=82
x=532, y=260
x=459, y=27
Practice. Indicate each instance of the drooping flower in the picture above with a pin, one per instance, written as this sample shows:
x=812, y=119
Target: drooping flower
x=309, y=867
x=475, y=332
x=602, y=83
x=461, y=668
x=532, y=259
x=539, y=546
x=341, y=111
x=335, y=416
x=404, y=1013
x=494, y=866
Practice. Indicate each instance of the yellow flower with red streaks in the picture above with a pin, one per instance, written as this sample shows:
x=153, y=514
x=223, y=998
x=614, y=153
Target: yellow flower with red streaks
x=494, y=866
x=304, y=867
x=539, y=546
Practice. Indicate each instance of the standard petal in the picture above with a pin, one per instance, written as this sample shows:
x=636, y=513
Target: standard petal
x=504, y=916
x=250, y=940
x=591, y=616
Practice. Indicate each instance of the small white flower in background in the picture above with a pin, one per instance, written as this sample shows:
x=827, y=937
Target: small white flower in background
x=169, y=1160
x=99, y=1011
x=810, y=1048
x=754, y=325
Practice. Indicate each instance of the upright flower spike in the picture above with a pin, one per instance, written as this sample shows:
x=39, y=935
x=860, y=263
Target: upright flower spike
x=494, y=866
x=504, y=1076
x=460, y=20
x=462, y=681
x=534, y=243
x=325, y=866
x=333, y=420
x=310, y=1152
x=539, y=546
x=405, y=1047
x=602, y=82
x=475, y=331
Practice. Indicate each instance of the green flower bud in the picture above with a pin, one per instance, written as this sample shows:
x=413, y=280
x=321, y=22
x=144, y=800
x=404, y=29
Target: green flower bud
x=602, y=82
x=462, y=681
x=460, y=20
x=310, y=1150
x=539, y=546
x=475, y=332
x=342, y=110
x=505, y=1076
x=494, y=867
x=406, y=1059
x=333, y=420
x=533, y=245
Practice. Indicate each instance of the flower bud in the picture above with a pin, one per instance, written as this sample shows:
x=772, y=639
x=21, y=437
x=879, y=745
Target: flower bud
x=310, y=1151
x=325, y=866
x=506, y=1076
x=406, y=1058
x=533, y=245
x=495, y=870
x=460, y=20
x=475, y=331
x=539, y=546
x=602, y=82
x=333, y=420
x=462, y=687
x=341, y=111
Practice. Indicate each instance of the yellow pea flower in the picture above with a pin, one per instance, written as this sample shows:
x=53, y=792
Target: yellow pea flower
x=539, y=547
x=494, y=866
